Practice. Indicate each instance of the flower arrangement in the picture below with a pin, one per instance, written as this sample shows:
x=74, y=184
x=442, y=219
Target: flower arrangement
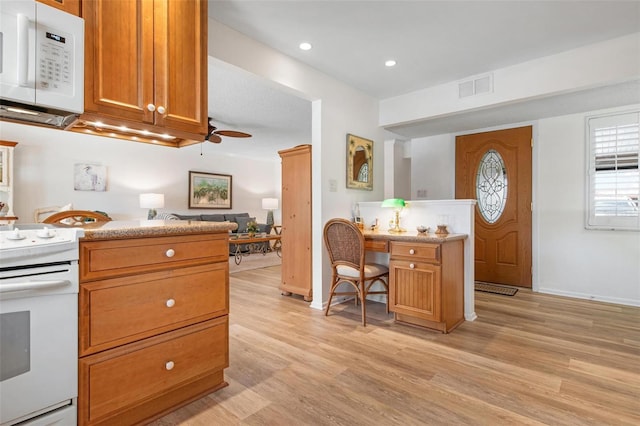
x=252, y=227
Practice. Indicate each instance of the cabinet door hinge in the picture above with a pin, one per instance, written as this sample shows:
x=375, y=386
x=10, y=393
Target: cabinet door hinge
x=531, y=142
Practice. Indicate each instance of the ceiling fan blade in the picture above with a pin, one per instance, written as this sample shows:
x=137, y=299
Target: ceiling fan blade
x=232, y=133
x=215, y=138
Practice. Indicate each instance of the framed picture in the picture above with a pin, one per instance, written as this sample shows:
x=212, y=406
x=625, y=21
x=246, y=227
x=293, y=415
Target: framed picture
x=4, y=167
x=209, y=191
x=89, y=177
x=359, y=163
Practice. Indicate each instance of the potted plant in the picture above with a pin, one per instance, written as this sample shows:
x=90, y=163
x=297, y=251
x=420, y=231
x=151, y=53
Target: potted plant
x=252, y=228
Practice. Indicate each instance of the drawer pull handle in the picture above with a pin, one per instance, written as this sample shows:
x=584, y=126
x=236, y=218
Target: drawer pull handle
x=412, y=251
x=151, y=107
x=412, y=266
x=170, y=303
x=170, y=253
x=161, y=110
x=169, y=365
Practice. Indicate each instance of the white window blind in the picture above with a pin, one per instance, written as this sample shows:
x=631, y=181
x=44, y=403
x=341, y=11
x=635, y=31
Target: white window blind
x=614, y=176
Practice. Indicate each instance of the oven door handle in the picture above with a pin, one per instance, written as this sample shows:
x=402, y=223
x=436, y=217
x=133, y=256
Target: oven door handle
x=33, y=285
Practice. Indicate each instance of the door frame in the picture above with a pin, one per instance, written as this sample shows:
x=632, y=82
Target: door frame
x=535, y=217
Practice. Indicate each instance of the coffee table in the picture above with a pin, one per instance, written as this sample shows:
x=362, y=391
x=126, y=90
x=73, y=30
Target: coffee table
x=254, y=245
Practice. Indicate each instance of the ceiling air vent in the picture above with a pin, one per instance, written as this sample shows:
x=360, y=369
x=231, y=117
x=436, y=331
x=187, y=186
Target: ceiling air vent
x=476, y=86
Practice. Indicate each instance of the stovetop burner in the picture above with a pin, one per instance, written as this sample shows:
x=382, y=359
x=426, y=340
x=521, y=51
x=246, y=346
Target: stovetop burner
x=37, y=243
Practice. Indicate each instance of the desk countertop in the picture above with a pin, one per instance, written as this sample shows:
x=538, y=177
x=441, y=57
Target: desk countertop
x=412, y=236
x=152, y=228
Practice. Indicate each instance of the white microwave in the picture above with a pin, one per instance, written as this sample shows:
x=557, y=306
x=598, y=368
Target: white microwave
x=41, y=63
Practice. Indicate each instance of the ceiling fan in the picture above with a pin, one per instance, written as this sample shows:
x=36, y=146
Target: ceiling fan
x=214, y=135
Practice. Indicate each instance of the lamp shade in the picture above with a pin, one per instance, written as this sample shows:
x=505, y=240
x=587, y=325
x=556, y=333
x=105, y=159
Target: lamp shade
x=151, y=201
x=270, y=203
x=397, y=203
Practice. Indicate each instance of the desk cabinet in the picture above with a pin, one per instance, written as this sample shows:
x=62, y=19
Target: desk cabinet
x=426, y=283
x=153, y=325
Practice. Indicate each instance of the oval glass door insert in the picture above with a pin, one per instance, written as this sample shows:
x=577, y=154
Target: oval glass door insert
x=491, y=186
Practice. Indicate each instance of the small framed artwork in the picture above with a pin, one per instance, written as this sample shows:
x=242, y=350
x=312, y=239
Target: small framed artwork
x=89, y=177
x=209, y=191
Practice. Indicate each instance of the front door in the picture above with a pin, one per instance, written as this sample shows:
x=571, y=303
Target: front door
x=495, y=169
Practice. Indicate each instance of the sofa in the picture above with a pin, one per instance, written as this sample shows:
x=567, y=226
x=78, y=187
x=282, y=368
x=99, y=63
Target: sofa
x=240, y=218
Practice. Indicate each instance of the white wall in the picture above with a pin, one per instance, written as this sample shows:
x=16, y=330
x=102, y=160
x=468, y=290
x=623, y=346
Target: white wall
x=44, y=161
x=568, y=259
x=574, y=261
x=337, y=109
x=432, y=171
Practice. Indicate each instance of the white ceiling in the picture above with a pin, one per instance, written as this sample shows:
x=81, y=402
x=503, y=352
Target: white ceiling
x=432, y=41
x=242, y=101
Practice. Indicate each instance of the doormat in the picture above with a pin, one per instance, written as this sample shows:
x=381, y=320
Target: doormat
x=495, y=288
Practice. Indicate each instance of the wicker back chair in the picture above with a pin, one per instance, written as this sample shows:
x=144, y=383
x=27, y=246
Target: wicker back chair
x=345, y=244
x=76, y=218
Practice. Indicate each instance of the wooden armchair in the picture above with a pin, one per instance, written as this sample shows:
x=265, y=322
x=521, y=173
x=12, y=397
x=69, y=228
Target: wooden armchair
x=345, y=244
x=76, y=217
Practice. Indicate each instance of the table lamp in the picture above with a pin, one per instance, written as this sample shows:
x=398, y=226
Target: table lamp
x=151, y=202
x=397, y=204
x=269, y=204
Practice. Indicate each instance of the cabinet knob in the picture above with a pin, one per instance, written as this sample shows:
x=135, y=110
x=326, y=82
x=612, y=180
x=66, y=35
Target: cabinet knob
x=161, y=110
x=170, y=253
x=170, y=303
x=151, y=107
x=169, y=365
x=412, y=266
x=412, y=251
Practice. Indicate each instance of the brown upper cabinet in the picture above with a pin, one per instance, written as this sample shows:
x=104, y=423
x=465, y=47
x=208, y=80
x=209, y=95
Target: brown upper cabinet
x=146, y=65
x=70, y=6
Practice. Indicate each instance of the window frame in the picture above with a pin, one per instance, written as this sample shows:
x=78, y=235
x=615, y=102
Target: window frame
x=609, y=222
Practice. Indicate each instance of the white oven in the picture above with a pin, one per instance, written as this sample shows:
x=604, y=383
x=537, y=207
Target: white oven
x=39, y=326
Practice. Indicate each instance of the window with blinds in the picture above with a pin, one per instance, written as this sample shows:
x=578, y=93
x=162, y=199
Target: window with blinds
x=614, y=176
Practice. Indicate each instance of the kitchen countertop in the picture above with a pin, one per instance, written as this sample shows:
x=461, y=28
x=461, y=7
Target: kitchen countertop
x=412, y=236
x=152, y=228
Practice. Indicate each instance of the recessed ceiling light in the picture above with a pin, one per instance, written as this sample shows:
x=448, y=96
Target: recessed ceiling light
x=305, y=46
x=390, y=63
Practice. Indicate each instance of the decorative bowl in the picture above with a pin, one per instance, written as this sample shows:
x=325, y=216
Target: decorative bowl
x=422, y=229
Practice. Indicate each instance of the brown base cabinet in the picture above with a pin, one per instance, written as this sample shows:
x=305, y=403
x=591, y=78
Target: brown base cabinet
x=426, y=284
x=153, y=331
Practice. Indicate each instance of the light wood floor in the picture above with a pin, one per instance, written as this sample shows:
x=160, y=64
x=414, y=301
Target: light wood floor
x=527, y=359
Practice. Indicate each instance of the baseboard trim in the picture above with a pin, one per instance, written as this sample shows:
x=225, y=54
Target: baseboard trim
x=585, y=296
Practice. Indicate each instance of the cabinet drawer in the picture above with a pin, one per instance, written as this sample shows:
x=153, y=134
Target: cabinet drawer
x=376, y=245
x=121, y=310
x=123, y=378
x=112, y=258
x=424, y=252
